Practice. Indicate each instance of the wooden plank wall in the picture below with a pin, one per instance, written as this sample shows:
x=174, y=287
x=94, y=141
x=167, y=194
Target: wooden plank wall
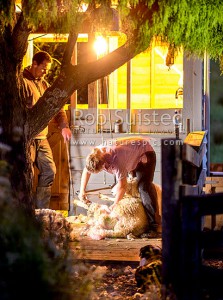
x=60, y=188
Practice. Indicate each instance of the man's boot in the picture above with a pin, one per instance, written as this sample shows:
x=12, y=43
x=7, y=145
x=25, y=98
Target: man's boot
x=42, y=197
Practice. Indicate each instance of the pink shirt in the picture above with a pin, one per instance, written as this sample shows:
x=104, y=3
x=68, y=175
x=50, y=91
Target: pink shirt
x=125, y=154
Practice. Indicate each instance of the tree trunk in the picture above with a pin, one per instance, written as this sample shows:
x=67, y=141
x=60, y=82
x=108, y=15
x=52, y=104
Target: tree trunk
x=14, y=145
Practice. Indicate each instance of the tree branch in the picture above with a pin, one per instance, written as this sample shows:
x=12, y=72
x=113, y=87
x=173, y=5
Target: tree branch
x=72, y=39
x=73, y=78
x=20, y=35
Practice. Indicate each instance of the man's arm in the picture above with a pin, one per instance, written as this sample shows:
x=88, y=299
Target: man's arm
x=66, y=133
x=84, y=181
x=120, y=192
x=61, y=119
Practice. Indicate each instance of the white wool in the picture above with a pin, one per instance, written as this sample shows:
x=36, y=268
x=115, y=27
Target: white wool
x=131, y=190
x=127, y=217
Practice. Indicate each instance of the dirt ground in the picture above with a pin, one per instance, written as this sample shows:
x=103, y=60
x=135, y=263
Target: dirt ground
x=118, y=282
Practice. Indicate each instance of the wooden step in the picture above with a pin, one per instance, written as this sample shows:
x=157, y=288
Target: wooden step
x=111, y=249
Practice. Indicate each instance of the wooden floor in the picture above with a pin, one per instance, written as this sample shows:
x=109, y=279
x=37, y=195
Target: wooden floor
x=111, y=249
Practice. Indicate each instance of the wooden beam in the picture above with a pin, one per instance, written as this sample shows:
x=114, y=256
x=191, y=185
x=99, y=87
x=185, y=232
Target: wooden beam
x=110, y=249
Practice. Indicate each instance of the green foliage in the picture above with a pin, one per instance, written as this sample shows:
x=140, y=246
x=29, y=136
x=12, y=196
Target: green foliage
x=5, y=8
x=195, y=24
x=25, y=262
x=51, y=14
x=32, y=267
x=6, y=12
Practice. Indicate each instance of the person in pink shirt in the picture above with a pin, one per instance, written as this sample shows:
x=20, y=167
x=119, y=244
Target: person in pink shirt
x=120, y=157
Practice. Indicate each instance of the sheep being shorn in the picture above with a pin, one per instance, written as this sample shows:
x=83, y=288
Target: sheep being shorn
x=127, y=217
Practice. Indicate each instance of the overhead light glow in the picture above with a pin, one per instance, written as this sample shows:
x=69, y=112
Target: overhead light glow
x=83, y=7
x=100, y=45
x=18, y=9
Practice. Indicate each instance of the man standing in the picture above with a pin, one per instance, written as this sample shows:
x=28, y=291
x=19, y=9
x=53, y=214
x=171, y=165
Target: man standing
x=41, y=153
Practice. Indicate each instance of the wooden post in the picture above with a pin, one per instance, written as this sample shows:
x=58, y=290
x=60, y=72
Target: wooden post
x=171, y=223
x=92, y=87
x=191, y=251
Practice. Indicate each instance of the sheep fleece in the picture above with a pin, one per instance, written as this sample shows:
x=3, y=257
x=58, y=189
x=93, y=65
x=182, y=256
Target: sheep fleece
x=128, y=216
